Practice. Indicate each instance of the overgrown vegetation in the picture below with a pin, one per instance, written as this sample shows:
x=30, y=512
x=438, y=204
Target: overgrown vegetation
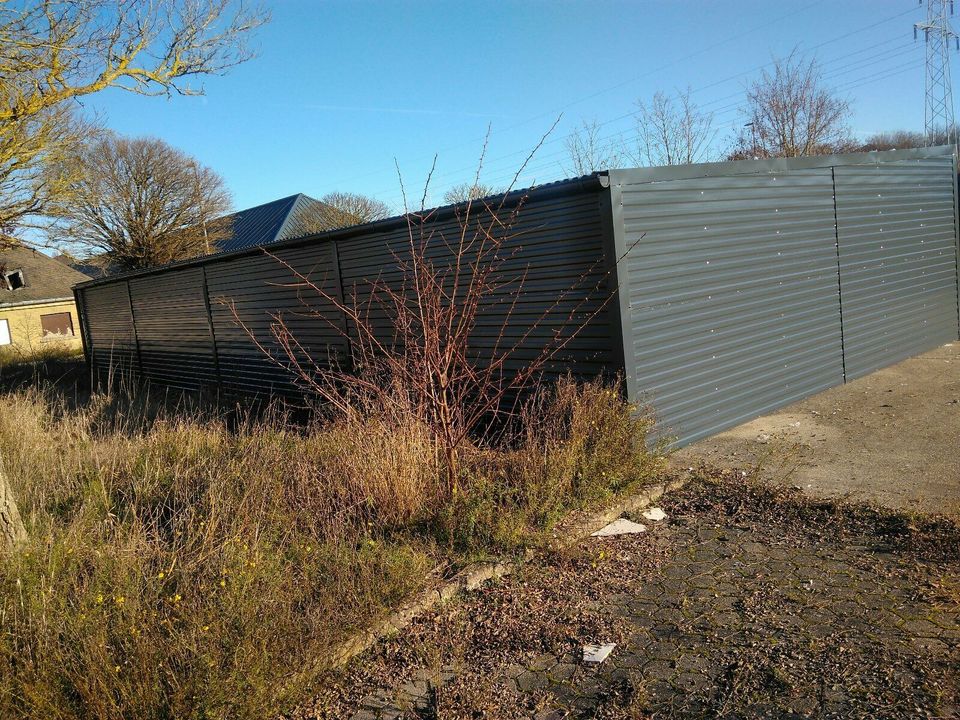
x=189, y=564
x=15, y=358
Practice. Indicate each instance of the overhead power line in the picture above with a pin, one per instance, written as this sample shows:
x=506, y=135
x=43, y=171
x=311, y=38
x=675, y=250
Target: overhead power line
x=502, y=167
x=495, y=169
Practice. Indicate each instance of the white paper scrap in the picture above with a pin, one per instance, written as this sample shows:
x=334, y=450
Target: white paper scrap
x=620, y=527
x=655, y=514
x=596, y=654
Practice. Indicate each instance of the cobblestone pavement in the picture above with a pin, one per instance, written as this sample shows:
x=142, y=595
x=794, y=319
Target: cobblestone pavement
x=747, y=601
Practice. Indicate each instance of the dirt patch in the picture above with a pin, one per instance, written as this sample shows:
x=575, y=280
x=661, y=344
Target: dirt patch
x=890, y=437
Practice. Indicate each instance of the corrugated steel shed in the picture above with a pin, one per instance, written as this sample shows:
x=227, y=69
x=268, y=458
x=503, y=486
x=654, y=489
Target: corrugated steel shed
x=721, y=290
x=752, y=284
x=556, y=242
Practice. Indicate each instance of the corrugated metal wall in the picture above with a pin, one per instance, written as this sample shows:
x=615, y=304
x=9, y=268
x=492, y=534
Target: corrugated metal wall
x=748, y=285
x=733, y=295
x=252, y=289
x=555, y=248
x=898, y=260
x=107, y=319
x=194, y=321
x=751, y=285
x=173, y=334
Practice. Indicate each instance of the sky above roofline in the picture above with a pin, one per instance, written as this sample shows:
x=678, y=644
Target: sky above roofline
x=360, y=96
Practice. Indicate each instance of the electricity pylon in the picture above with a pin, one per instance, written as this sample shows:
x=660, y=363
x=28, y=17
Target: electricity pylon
x=938, y=114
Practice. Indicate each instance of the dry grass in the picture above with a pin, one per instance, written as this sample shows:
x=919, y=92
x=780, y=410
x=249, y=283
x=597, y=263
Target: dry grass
x=189, y=565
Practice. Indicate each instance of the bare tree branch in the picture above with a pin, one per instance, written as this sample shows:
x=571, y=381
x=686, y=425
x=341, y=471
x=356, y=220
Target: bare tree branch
x=588, y=152
x=53, y=52
x=789, y=113
x=672, y=131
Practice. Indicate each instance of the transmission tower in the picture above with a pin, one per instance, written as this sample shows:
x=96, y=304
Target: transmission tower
x=937, y=34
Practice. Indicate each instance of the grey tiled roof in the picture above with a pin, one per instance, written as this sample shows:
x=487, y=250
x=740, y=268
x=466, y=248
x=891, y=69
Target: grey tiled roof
x=47, y=279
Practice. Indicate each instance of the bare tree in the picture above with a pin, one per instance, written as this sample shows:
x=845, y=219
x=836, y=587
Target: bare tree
x=33, y=171
x=354, y=209
x=342, y=209
x=672, y=131
x=470, y=191
x=588, y=151
x=790, y=113
x=142, y=202
x=55, y=51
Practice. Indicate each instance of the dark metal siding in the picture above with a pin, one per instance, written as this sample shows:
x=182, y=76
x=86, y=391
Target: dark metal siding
x=250, y=295
x=554, y=252
x=733, y=297
x=898, y=260
x=172, y=331
x=111, y=344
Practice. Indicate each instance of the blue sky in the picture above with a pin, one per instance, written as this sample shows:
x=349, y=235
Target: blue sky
x=341, y=90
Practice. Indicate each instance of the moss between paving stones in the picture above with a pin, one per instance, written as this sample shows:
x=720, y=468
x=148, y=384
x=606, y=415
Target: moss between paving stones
x=749, y=601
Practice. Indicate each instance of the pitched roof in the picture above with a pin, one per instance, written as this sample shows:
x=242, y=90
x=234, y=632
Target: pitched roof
x=281, y=219
x=46, y=279
x=93, y=267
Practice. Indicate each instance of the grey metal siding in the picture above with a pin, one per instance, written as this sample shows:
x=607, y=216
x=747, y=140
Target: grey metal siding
x=172, y=332
x=111, y=342
x=898, y=260
x=733, y=297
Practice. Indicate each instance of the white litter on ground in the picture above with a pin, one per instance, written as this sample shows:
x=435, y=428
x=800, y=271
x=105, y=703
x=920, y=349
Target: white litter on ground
x=656, y=514
x=596, y=654
x=621, y=526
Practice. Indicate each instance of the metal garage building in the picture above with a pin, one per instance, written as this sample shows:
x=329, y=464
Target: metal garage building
x=743, y=285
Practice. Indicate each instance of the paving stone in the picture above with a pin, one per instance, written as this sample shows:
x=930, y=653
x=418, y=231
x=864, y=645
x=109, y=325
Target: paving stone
x=727, y=619
x=542, y=662
x=529, y=681
x=561, y=672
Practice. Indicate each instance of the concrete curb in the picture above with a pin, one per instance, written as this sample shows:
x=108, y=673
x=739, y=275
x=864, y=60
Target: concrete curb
x=477, y=574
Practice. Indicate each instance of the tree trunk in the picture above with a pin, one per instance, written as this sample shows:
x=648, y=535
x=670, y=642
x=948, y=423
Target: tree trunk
x=12, y=530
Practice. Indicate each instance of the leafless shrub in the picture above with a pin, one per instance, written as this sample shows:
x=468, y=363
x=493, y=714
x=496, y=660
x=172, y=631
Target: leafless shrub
x=426, y=366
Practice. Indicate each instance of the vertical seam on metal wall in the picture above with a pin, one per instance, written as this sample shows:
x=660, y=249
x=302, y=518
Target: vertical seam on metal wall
x=339, y=287
x=836, y=238
x=213, y=334
x=133, y=324
x=80, y=302
x=956, y=232
x=621, y=273
x=609, y=250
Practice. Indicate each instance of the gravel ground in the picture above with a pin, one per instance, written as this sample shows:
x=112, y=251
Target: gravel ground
x=750, y=600
x=890, y=437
